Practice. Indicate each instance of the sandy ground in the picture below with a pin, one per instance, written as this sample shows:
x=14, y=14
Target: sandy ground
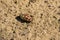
x=45, y=24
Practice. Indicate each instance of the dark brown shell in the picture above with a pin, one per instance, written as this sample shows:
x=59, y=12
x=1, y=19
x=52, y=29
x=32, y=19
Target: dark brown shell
x=26, y=17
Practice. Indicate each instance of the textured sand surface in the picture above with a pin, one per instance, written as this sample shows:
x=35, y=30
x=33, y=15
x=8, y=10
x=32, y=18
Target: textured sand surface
x=45, y=24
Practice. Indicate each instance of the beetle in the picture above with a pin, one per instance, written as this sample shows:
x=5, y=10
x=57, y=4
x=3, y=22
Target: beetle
x=26, y=17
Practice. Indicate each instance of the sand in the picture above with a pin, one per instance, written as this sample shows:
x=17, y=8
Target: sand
x=45, y=24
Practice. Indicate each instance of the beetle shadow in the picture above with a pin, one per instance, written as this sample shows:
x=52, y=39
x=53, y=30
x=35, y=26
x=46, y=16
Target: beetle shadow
x=18, y=18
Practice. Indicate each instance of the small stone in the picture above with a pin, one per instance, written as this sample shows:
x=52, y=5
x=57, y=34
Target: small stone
x=33, y=1
x=58, y=13
x=12, y=39
x=58, y=6
x=46, y=1
x=54, y=17
x=58, y=19
x=59, y=29
x=13, y=31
